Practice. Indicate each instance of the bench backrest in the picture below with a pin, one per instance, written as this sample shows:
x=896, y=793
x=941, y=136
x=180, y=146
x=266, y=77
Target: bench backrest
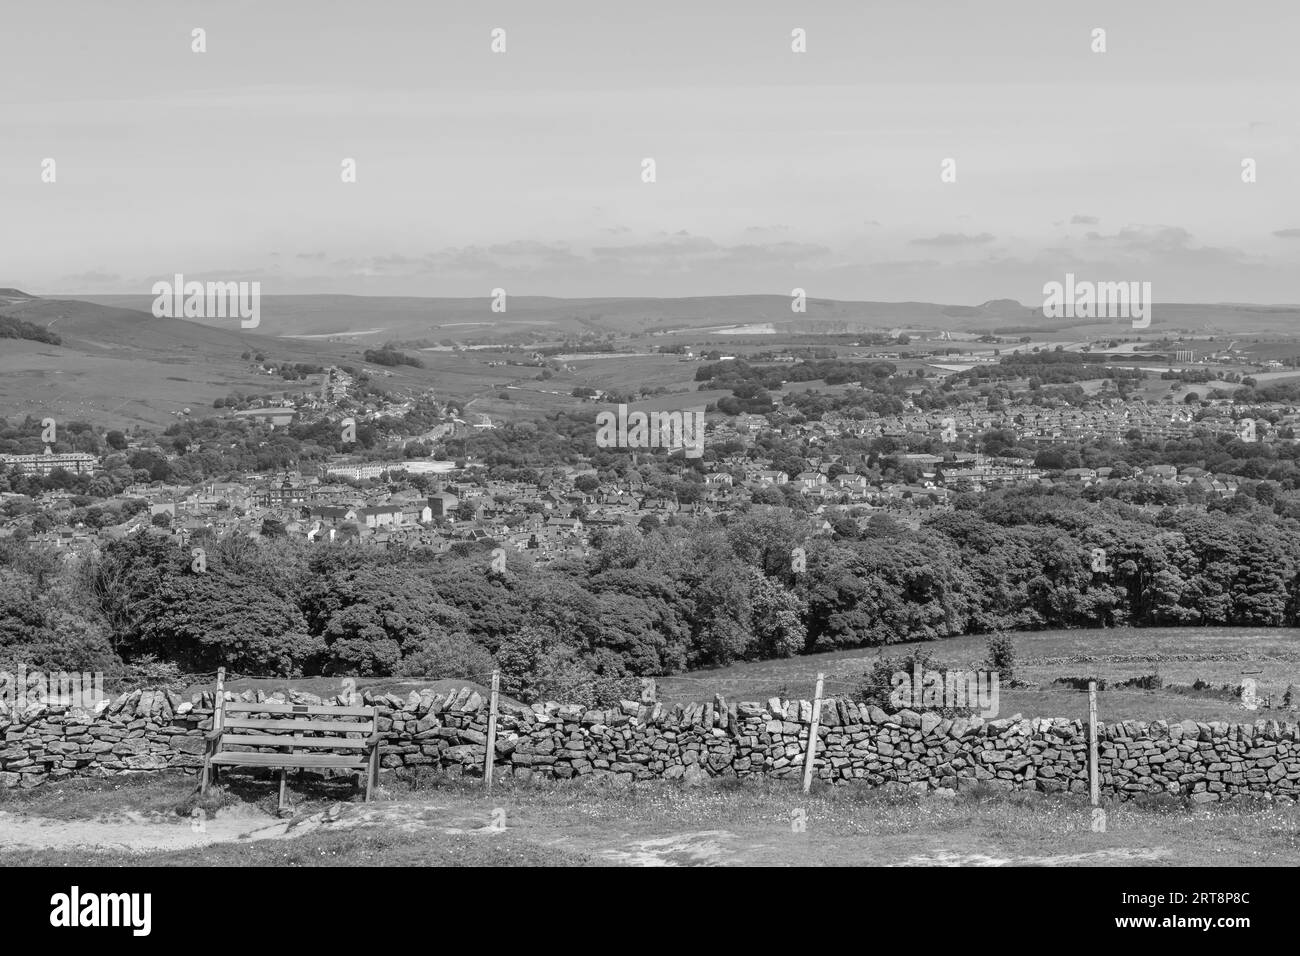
x=308, y=726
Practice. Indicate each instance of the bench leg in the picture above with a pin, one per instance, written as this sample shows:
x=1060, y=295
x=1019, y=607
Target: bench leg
x=372, y=772
x=284, y=774
x=203, y=781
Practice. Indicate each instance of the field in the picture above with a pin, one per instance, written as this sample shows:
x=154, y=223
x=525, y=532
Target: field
x=1179, y=656
x=435, y=821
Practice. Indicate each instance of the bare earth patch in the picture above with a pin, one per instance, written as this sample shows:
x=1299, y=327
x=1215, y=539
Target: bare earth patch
x=131, y=831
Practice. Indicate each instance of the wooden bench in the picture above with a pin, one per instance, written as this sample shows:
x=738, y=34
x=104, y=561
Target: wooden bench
x=284, y=735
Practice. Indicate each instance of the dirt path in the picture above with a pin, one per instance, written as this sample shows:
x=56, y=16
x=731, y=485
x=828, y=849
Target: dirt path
x=133, y=832
x=140, y=833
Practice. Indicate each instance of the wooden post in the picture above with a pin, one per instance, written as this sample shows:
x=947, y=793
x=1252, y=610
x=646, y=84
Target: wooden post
x=219, y=712
x=1094, y=786
x=811, y=750
x=489, y=758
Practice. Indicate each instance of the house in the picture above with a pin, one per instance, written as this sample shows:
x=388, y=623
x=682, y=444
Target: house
x=1160, y=471
x=381, y=516
x=442, y=503
x=810, y=480
x=329, y=516
x=852, y=484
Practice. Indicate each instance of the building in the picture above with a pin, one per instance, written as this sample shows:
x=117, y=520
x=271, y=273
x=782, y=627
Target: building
x=275, y=417
x=372, y=470
x=287, y=494
x=76, y=462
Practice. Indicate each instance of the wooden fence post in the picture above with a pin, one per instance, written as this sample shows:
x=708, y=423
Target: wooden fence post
x=811, y=749
x=219, y=710
x=1094, y=786
x=490, y=758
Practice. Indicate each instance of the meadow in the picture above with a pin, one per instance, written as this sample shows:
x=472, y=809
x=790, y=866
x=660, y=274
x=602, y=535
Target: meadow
x=1179, y=656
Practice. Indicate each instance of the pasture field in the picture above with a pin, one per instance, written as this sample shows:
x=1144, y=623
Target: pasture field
x=435, y=820
x=1179, y=656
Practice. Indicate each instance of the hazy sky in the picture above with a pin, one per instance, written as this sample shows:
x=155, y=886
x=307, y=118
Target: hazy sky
x=774, y=169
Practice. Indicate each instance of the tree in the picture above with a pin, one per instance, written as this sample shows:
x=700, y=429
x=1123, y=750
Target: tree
x=219, y=618
x=448, y=657
x=522, y=660
x=371, y=616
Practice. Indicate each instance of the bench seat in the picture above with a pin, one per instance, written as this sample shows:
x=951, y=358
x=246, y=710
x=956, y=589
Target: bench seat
x=262, y=759
x=283, y=735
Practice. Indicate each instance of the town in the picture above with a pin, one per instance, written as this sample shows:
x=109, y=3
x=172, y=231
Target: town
x=424, y=478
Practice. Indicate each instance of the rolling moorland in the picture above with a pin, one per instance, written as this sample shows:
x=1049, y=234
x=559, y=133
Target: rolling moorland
x=118, y=365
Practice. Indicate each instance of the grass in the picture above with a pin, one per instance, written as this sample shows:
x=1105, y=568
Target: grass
x=1179, y=655
x=432, y=819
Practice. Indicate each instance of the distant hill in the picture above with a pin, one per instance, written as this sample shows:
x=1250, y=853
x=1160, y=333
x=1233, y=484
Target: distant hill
x=10, y=296
x=374, y=320
x=120, y=367
x=108, y=359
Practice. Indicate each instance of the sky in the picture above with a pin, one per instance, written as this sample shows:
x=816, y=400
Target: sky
x=774, y=169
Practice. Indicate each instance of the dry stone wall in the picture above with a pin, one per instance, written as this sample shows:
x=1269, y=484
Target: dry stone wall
x=156, y=730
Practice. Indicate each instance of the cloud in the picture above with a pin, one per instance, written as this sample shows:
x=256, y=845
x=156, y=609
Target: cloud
x=90, y=280
x=1077, y=220
x=1288, y=233
x=1148, y=238
x=526, y=247
x=955, y=239
x=673, y=248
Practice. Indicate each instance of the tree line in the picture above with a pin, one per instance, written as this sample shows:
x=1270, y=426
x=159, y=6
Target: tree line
x=686, y=594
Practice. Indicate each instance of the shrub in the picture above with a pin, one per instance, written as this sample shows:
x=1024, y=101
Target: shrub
x=1146, y=682
x=1079, y=683
x=1002, y=656
x=877, y=683
x=148, y=671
